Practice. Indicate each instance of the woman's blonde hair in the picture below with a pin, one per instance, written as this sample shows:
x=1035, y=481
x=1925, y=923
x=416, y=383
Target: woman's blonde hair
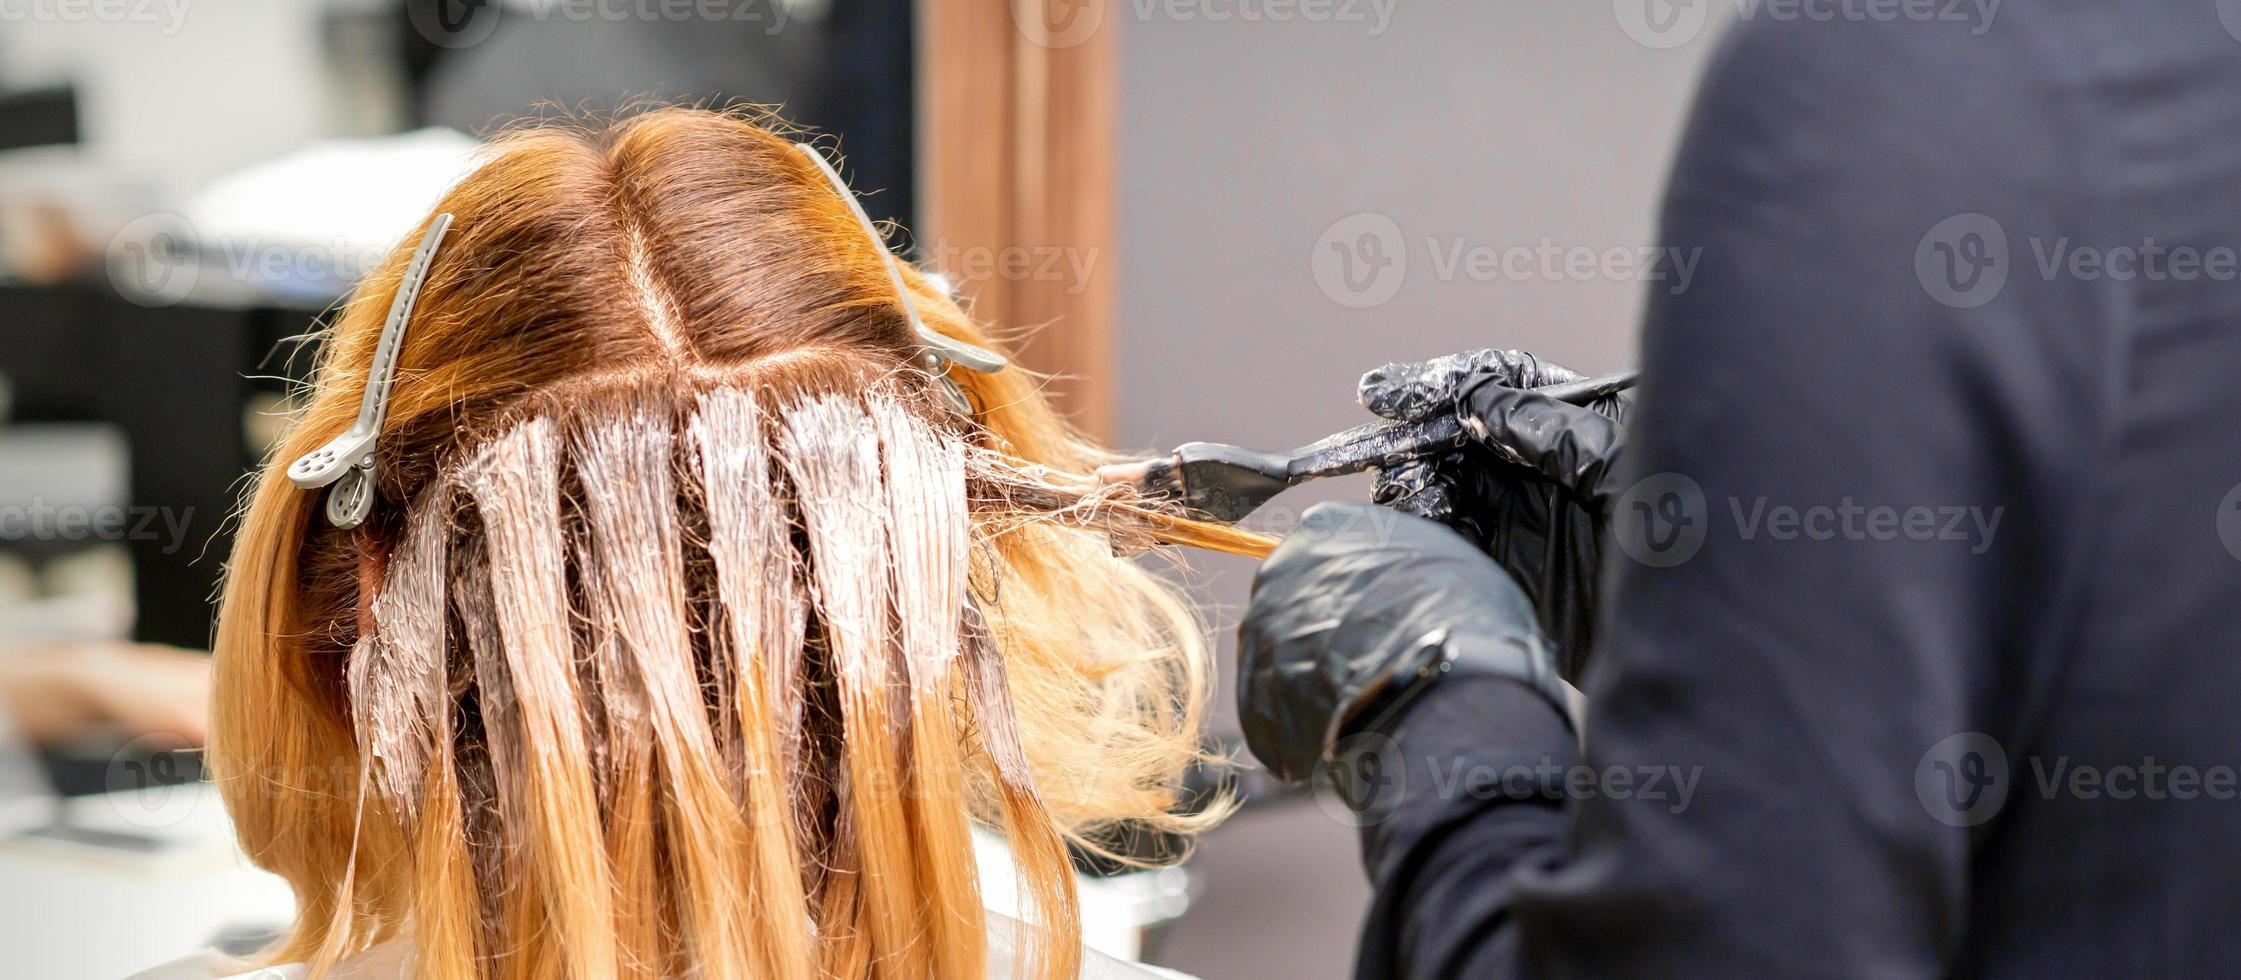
x=693, y=627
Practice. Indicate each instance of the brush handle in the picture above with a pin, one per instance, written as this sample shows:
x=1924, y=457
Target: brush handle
x=1376, y=444
x=1589, y=389
x=1379, y=444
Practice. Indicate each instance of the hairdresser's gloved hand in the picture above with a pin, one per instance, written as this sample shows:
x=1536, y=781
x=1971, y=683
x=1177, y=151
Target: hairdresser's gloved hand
x=1533, y=485
x=1355, y=612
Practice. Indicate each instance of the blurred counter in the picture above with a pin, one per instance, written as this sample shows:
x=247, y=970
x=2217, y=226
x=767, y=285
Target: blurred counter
x=176, y=381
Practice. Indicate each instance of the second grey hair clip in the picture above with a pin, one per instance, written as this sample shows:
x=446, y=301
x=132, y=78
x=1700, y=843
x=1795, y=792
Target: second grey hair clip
x=347, y=461
x=940, y=348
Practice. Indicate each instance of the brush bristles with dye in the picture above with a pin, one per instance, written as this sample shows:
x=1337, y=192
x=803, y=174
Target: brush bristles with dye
x=1134, y=517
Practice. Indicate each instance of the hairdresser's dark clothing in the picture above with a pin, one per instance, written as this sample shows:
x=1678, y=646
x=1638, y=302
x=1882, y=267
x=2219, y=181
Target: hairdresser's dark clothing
x=1828, y=357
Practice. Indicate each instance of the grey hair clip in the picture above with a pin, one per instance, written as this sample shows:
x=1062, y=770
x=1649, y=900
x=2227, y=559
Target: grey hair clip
x=940, y=348
x=347, y=460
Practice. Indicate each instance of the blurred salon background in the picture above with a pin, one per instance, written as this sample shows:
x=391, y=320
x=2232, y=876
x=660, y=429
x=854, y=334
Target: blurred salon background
x=1206, y=218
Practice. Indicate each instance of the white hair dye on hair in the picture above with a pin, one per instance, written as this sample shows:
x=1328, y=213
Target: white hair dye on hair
x=397, y=683
x=759, y=588
x=756, y=652
x=831, y=450
x=493, y=790
x=745, y=620
x=929, y=533
x=929, y=529
x=637, y=589
x=637, y=578
x=550, y=801
x=621, y=746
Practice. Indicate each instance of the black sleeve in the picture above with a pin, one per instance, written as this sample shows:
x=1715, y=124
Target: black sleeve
x=1863, y=432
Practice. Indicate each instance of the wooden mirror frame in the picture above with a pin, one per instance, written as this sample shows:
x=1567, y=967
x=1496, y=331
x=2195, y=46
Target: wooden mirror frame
x=1017, y=123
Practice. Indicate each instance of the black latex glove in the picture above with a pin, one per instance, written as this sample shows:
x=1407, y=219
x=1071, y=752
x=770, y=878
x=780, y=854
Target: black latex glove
x=1532, y=485
x=1355, y=611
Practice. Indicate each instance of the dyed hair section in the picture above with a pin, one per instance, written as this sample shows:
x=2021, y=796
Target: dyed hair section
x=694, y=630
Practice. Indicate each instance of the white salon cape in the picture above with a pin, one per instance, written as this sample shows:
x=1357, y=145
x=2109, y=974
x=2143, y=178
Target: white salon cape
x=391, y=961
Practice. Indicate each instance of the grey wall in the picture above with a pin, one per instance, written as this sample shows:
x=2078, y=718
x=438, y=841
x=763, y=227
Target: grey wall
x=1244, y=142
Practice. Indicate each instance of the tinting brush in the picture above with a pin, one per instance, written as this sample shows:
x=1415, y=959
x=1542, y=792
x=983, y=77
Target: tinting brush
x=1225, y=483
